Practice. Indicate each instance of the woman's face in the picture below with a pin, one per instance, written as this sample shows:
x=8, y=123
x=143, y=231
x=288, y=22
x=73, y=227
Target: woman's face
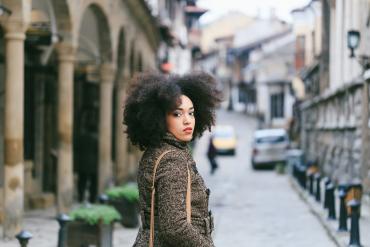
x=181, y=121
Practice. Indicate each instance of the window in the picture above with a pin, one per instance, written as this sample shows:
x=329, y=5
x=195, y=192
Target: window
x=277, y=105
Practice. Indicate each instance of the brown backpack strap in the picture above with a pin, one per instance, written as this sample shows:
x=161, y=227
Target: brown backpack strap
x=188, y=199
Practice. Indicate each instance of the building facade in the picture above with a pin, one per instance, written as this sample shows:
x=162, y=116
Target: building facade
x=270, y=71
x=253, y=41
x=336, y=115
x=64, y=68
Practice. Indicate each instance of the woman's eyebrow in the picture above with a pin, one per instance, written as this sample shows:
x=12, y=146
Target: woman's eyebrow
x=181, y=109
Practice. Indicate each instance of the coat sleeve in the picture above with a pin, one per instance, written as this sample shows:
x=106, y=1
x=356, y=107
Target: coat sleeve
x=171, y=186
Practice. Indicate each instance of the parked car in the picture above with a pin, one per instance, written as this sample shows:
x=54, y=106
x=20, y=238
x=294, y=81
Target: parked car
x=269, y=147
x=224, y=139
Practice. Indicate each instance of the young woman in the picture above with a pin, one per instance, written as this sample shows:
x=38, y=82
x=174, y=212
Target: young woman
x=162, y=115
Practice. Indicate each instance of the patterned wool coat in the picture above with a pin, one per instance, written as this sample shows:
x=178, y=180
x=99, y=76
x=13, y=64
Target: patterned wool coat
x=171, y=227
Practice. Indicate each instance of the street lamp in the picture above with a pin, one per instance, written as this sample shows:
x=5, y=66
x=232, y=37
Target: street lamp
x=353, y=41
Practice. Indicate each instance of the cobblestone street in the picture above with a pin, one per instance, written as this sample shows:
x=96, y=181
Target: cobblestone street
x=256, y=208
x=251, y=208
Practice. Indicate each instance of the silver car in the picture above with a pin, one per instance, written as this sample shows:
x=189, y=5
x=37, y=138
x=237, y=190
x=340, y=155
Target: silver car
x=269, y=147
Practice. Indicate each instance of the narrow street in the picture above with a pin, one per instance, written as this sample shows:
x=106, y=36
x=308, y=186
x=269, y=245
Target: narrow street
x=251, y=208
x=255, y=208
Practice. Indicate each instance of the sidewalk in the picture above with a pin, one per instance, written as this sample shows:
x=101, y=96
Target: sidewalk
x=44, y=228
x=331, y=226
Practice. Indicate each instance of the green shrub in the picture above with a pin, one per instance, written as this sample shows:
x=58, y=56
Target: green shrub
x=129, y=191
x=93, y=214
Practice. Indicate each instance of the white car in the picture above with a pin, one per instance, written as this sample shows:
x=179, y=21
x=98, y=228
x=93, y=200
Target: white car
x=269, y=147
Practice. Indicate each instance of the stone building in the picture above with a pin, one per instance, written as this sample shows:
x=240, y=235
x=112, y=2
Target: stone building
x=307, y=28
x=64, y=68
x=335, y=114
x=262, y=32
x=270, y=71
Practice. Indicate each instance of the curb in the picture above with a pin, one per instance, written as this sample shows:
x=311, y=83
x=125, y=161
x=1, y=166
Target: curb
x=329, y=230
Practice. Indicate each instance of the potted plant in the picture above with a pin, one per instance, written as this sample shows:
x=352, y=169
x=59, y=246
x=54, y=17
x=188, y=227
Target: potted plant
x=126, y=200
x=91, y=225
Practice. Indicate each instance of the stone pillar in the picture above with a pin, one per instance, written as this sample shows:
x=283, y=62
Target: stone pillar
x=365, y=131
x=121, y=136
x=66, y=57
x=13, y=130
x=105, y=127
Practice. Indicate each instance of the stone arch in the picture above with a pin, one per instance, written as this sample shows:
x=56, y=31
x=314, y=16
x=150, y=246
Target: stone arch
x=63, y=20
x=95, y=35
x=94, y=51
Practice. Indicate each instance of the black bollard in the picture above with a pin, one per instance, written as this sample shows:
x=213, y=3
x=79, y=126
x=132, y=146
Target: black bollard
x=295, y=172
x=354, y=192
x=299, y=175
x=355, y=226
x=23, y=238
x=318, y=187
x=326, y=182
x=63, y=219
x=342, y=209
x=302, y=176
x=310, y=183
x=331, y=201
x=103, y=199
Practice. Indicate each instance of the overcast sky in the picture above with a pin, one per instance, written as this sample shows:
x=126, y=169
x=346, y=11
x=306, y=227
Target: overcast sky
x=218, y=8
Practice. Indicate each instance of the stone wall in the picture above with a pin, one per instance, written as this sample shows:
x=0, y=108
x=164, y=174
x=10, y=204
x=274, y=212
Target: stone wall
x=332, y=133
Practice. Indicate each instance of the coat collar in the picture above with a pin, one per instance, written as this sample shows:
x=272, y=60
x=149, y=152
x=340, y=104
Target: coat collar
x=171, y=139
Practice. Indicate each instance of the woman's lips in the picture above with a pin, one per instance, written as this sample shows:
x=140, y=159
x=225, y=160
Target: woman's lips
x=188, y=130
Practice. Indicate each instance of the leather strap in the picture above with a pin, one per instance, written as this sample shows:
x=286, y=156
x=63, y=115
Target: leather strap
x=188, y=199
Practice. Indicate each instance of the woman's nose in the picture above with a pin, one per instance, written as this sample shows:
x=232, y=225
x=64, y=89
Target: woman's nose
x=186, y=119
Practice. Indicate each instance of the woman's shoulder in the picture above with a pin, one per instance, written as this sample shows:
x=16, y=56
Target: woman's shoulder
x=166, y=149
x=169, y=155
x=151, y=154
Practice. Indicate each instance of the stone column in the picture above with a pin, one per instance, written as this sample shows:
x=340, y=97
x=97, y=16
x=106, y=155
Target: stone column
x=121, y=136
x=13, y=130
x=105, y=127
x=365, y=169
x=66, y=57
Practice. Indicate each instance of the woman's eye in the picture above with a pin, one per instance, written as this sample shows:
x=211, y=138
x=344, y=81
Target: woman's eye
x=177, y=114
x=191, y=113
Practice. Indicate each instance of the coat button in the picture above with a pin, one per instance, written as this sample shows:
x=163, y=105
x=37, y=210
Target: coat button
x=208, y=191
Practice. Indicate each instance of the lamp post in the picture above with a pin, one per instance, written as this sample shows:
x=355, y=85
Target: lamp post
x=353, y=41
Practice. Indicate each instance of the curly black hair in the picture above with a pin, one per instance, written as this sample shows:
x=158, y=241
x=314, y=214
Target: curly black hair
x=151, y=96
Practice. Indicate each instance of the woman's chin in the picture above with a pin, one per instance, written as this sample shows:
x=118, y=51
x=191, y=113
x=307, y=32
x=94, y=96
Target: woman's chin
x=186, y=138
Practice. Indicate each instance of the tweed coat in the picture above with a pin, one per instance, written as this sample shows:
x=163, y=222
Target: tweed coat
x=171, y=227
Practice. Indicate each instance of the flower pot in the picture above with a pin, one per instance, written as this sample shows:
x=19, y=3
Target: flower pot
x=129, y=211
x=80, y=233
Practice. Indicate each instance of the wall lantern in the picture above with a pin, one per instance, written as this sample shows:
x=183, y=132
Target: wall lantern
x=353, y=41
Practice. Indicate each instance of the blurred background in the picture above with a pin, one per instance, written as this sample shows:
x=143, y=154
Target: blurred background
x=287, y=163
